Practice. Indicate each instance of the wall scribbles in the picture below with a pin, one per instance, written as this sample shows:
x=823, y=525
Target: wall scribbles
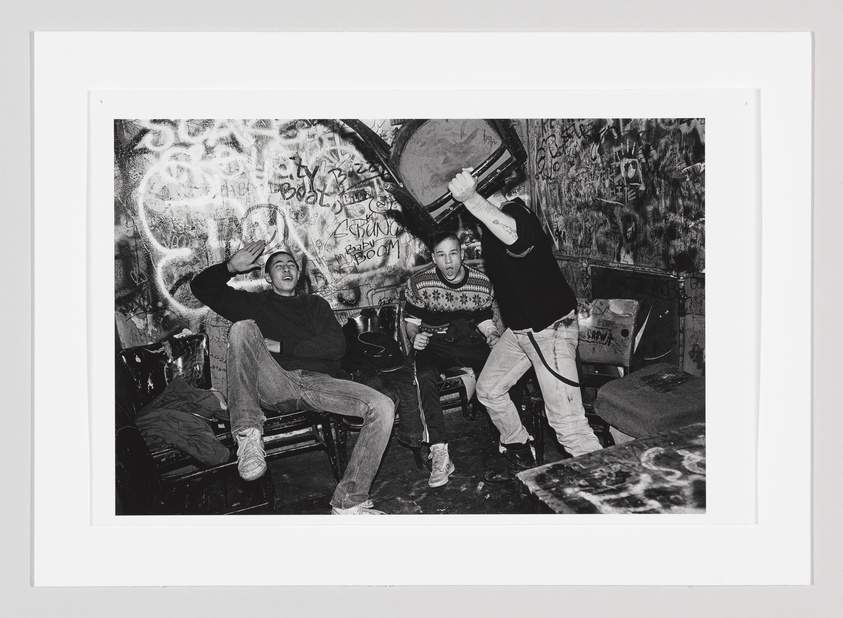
x=188, y=193
x=620, y=190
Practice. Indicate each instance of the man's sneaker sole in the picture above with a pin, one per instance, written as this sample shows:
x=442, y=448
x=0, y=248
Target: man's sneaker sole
x=366, y=508
x=253, y=475
x=444, y=479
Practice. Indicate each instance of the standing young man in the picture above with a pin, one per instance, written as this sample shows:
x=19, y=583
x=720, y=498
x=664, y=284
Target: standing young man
x=539, y=309
x=448, y=319
x=284, y=351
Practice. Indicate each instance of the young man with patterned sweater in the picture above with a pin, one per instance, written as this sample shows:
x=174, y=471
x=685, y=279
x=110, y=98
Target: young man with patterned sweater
x=448, y=320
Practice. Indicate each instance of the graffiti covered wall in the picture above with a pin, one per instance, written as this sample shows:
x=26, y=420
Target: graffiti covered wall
x=619, y=190
x=189, y=193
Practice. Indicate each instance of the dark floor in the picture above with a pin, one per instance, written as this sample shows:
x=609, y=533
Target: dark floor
x=304, y=483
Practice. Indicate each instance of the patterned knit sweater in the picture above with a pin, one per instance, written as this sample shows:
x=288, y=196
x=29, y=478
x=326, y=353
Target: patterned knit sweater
x=435, y=301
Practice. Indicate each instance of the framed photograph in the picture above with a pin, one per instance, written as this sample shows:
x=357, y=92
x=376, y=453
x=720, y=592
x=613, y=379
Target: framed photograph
x=640, y=181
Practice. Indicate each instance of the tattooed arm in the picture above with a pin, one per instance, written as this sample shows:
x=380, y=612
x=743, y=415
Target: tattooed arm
x=463, y=188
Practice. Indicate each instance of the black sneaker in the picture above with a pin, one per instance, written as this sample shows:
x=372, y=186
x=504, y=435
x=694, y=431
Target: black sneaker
x=518, y=457
x=521, y=455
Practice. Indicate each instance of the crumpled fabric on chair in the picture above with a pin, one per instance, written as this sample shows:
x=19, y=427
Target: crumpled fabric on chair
x=180, y=417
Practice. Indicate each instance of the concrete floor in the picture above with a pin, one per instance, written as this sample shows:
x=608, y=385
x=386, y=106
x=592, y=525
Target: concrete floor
x=304, y=483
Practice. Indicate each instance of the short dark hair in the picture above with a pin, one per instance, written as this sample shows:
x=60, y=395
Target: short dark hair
x=275, y=254
x=438, y=237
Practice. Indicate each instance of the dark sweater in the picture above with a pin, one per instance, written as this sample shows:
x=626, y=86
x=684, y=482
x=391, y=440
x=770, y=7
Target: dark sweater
x=310, y=336
x=530, y=288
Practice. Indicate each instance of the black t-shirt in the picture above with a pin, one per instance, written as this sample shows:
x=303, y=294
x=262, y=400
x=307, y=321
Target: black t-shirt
x=530, y=288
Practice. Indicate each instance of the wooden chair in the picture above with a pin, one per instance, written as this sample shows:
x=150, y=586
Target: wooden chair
x=606, y=344
x=141, y=490
x=456, y=390
x=165, y=481
x=149, y=369
x=283, y=433
x=459, y=384
x=456, y=386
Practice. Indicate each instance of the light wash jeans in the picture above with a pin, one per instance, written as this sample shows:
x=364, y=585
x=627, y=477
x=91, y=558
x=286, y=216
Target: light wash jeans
x=511, y=358
x=255, y=380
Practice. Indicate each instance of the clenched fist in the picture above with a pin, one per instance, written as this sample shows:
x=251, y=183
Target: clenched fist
x=464, y=186
x=420, y=341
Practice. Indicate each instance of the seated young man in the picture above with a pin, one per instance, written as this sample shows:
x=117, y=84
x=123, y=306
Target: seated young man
x=448, y=319
x=284, y=351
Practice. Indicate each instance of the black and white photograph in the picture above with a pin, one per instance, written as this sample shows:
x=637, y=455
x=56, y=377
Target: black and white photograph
x=491, y=307
x=410, y=316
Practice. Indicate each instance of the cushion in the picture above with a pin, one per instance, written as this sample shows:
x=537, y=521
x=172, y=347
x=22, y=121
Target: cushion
x=652, y=400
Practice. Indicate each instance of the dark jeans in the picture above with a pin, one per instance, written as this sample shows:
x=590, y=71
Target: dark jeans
x=400, y=386
x=255, y=380
x=439, y=355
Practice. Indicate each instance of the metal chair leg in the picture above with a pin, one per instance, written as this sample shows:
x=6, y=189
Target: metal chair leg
x=537, y=418
x=340, y=435
x=329, y=434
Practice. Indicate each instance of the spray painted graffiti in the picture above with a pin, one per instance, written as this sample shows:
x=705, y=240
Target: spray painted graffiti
x=628, y=191
x=189, y=193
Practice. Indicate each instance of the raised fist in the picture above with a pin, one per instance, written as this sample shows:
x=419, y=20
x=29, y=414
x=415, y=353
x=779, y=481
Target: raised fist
x=463, y=186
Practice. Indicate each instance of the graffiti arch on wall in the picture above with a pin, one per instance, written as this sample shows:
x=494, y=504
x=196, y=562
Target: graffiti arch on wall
x=189, y=193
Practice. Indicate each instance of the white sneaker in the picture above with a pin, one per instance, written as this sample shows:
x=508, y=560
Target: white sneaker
x=442, y=467
x=251, y=458
x=364, y=508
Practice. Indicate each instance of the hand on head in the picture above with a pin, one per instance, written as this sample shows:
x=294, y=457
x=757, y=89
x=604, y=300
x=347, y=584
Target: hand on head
x=247, y=258
x=463, y=186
